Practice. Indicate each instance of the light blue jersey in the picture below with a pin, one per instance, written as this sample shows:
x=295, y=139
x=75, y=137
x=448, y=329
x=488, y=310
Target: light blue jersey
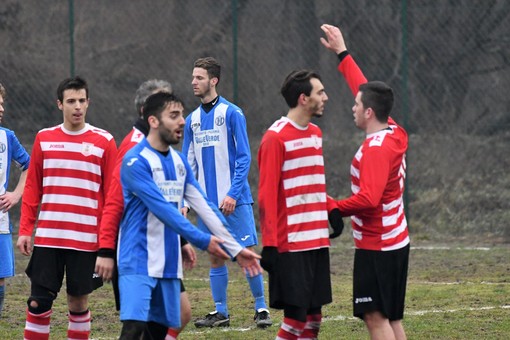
x=11, y=150
x=148, y=239
x=217, y=148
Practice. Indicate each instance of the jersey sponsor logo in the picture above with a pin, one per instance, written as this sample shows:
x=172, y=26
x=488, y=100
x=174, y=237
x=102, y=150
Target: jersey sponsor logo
x=86, y=149
x=171, y=190
x=219, y=121
x=57, y=146
x=195, y=126
x=363, y=299
x=3, y=147
x=207, y=138
x=131, y=161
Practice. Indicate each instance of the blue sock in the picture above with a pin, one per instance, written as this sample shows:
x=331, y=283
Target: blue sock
x=257, y=290
x=219, y=283
x=2, y=294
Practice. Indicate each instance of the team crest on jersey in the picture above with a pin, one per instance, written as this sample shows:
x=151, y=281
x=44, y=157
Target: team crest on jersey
x=219, y=121
x=86, y=149
x=317, y=142
x=195, y=126
x=3, y=147
x=180, y=170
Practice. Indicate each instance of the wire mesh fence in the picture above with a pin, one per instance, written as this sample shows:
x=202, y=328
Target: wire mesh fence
x=448, y=61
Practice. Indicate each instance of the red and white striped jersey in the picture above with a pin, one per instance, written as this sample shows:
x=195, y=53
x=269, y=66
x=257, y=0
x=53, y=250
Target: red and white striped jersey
x=378, y=173
x=67, y=179
x=292, y=188
x=114, y=205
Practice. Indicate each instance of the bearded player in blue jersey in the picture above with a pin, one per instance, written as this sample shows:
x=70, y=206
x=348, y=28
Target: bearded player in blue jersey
x=155, y=180
x=216, y=145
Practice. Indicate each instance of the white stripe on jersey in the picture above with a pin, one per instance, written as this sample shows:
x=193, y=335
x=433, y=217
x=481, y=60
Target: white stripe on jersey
x=66, y=234
x=303, y=143
x=71, y=182
x=221, y=156
x=308, y=235
x=69, y=199
x=391, y=220
x=72, y=147
x=4, y=161
x=315, y=197
x=67, y=217
x=303, y=181
x=55, y=163
x=310, y=216
x=395, y=232
x=302, y=162
x=354, y=172
x=354, y=188
x=155, y=228
x=399, y=245
x=392, y=204
x=357, y=235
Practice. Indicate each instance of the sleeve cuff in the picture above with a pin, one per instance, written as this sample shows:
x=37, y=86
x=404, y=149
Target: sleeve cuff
x=105, y=252
x=342, y=55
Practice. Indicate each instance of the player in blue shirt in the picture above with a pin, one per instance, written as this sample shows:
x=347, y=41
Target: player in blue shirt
x=11, y=150
x=217, y=148
x=155, y=179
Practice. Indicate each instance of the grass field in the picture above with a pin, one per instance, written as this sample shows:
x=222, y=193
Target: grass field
x=454, y=292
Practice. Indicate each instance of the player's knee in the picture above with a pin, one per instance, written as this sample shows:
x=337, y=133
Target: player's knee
x=185, y=315
x=40, y=304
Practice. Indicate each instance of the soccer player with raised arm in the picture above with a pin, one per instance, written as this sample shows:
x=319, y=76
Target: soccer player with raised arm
x=376, y=207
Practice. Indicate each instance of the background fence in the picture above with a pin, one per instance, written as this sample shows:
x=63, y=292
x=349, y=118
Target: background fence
x=448, y=61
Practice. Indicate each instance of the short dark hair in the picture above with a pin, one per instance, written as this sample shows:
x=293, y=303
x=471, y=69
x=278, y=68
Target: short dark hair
x=378, y=96
x=156, y=103
x=211, y=65
x=297, y=82
x=74, y=83
x=3, y=93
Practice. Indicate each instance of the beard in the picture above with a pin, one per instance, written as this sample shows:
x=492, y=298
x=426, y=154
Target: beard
x=168, y=137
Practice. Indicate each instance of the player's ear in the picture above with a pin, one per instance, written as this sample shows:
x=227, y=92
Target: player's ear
x=153, y=121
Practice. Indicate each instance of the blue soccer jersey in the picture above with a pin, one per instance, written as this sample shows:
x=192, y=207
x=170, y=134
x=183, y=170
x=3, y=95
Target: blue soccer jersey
x=11, y=150
x=154, y=186
x=217, y=148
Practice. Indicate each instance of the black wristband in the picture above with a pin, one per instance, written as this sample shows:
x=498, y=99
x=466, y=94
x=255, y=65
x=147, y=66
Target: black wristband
x=342, y=55
x=106, y=252
x=183, y=242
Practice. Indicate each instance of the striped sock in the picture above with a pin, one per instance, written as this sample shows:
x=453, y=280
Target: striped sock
x=290, y=329
x=79, y=325
x=312, y=327
x=37, y=326
x=172, y=334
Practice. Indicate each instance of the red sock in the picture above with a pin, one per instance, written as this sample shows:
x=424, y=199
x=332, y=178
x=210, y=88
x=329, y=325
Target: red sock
x=312, y=327
x=37, y=326
x=79, y=325
x=172, y=334
x=290, y=329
